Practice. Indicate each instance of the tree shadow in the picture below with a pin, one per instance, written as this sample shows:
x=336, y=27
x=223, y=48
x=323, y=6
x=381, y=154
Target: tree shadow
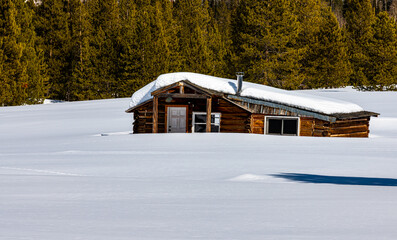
x=340, y=180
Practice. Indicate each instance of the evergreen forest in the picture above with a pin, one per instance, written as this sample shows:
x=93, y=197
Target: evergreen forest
x=94, y=49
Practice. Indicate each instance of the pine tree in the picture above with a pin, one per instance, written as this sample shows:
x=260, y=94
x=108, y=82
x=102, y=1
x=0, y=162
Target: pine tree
x=194, y=36
x=22, y=72
x=360, y=17
x=52, y=27
x=221, y=13
x=149, y=43
x=129, y=80
x=82, y=69
x=265, y=35
x=383, y=54
x=165, y=43
x=325, y=62
x=105, y=46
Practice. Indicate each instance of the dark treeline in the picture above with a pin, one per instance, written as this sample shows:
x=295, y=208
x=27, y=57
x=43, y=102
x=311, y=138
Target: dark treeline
x=94, y=49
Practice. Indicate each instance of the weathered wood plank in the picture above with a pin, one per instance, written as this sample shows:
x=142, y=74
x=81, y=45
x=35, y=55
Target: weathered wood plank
x=179, y=95
x=349, y=124
x=155, y=114
x=352, y=129
x=208, y=110
x=356, y=134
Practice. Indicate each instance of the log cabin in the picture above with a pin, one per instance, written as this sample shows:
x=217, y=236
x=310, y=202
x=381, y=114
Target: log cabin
x=192, y=103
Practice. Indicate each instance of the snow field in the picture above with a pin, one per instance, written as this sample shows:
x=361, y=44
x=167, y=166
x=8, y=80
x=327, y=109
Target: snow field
x=73, y=171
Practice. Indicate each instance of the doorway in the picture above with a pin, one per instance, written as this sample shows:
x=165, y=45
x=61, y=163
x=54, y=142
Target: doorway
x=176, y=119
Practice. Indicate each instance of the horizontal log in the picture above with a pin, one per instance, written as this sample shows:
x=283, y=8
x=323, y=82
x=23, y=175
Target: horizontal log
x=320, y=133
x=306, y=124
x=229, y=109
x=185, y=95
x=257, y=130
x=321, y=124
x=234, y=127
x=148, y=112
x=234, y=122
x=352, y=120
x=348, y=124
x=307, y=129
x=305, y=133
x=234, y=130
x=258, y=124
x=234, y=115
x=352, y=129
x=356, y=134
x=319, y=128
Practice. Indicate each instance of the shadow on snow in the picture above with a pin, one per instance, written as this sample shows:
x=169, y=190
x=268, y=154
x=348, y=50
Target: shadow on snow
x=340, y=180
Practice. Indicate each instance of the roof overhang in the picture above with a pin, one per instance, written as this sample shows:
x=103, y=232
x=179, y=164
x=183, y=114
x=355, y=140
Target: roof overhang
x=304, y=112
x=205, y=93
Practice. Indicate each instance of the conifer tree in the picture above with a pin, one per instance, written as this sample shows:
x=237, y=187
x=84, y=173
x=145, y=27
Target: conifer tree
x=129, y=79
x=221, y=13
x=194, y=36
x=52, y=27
x=360, y=17
x=22, y=72
x=383, y=54
x=325, y=62
x=82, y=69
x=265, y=37
x=106, y=44
x=149, y=43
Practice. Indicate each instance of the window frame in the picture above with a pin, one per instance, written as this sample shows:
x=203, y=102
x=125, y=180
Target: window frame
x=204, y=113
x=282, y=118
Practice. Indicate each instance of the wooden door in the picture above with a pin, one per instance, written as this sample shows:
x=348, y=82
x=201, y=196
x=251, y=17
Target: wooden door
x=176, y=119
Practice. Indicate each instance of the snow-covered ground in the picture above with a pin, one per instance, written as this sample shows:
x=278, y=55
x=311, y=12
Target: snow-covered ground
x=73, y=171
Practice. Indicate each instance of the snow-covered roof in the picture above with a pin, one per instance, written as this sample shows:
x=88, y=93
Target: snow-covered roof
x=250, y=90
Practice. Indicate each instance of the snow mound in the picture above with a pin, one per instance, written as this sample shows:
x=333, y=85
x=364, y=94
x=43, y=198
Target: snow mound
x=250, y=178
x=114, y=133
x=251, y=90
x=52, y=101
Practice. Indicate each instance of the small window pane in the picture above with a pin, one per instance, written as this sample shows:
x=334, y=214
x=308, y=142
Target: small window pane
x=214, y=128
x=274, y=126
x=199, y=127
x=290, y=126
x=200, y=118
x=212, y=118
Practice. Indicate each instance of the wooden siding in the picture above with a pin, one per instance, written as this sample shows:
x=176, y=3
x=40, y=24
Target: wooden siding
x=341, y=128
x=306, y=126
x=257, y=123
x=233, y=118
x=319, y=128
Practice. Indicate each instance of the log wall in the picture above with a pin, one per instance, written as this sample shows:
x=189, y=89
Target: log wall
x=257, y=123
x=233, y=118
x=341, y=128
x=238, y=120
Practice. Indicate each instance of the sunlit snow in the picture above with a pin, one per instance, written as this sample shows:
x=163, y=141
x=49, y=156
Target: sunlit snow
x=74, y=171
x=292, y=98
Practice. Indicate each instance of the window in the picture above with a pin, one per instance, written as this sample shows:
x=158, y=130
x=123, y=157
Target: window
x=282, y=125
x=199, y=122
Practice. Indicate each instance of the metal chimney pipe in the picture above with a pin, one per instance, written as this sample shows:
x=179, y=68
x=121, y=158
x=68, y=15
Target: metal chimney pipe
x=240, y=76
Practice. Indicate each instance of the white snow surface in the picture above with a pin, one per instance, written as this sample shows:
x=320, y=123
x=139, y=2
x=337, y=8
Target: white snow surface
x=73, y=171
x=252, y=90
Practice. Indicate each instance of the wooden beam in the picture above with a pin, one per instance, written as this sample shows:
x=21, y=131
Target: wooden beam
x=208, y=123
x=179, y=95
x=155, y=114
x=181, y=88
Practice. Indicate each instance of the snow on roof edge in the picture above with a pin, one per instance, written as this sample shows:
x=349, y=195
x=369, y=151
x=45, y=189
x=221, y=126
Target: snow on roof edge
x=251, y=90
